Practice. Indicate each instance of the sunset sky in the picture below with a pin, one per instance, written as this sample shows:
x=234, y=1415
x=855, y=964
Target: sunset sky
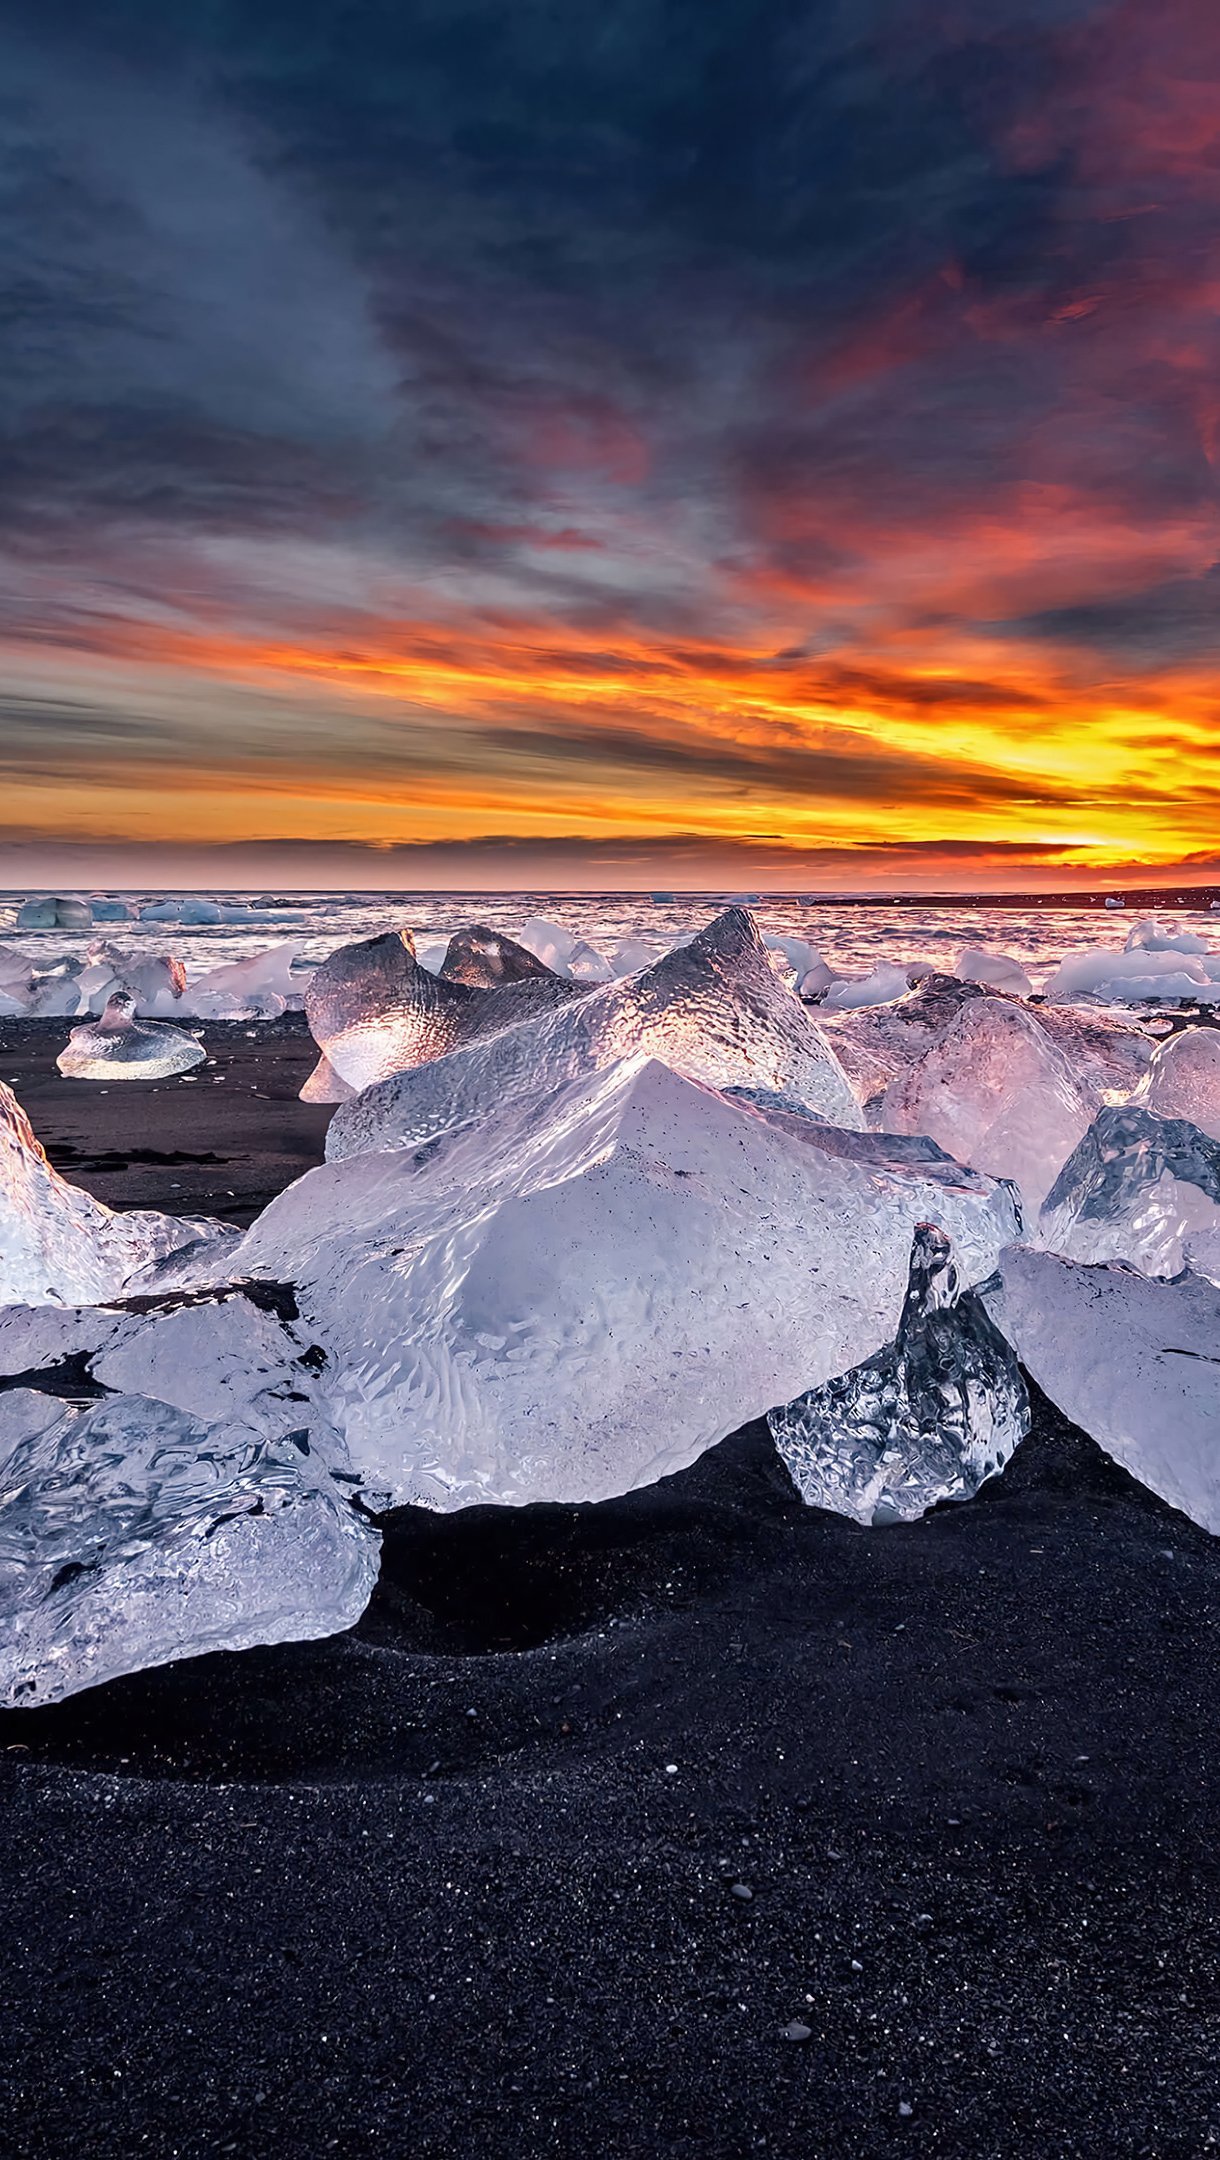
x=610, y=442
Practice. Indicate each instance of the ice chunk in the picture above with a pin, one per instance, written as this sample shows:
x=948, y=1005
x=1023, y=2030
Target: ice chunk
x=55, y=911
x=59, y=1246
x=1160, y=933
x=157, y=981
x=926, y=1419
x=563, y=953
x=633, y=953
x=1139, y=1188
x=105, y=907
x=1131, y=1360
x=374, y=1011
x=1104, y=1054
x=994, y=1092
x=120, y=1047
x=325, y=1086
x=193, y=909
x=886, y=983
x=1138, y=976
x=10, y=1007
x=713, y=1009
x=485, y=958
x=54, y=992
x=577, y=1291
x=1183, y=1079
x=999, y=969
x=257, y=988
x=132, y=1534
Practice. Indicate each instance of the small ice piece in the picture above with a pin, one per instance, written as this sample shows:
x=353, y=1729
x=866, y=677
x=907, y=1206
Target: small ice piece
x=713, y=1009
x=58, y=1246
x=54, y=993
x=974, y=964
x=1141, y=975
x=886, y=983
x=633, y=953
x=1129, y=1359
x=132, y=1534
x=374, y=1011
x=157, y=981
x=816, y=981
x=994, y=1092
x=583, y=1286
x=10, y=1007
x=324, y=1085
x=928, y=1418
x=55, y=911
x=1139, y=1188
x=486, y=958
x=1183, y=1080
x=120, y=1047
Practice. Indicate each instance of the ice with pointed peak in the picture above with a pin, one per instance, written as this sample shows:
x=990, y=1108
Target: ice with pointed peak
x=374, y=1011
x=1183, y=1079
x=994, y=1092
x=1140, y=1188
x=714, y=1010
x=1129, y=1359
x=926, y=1419
x=324, y=1085
x=974, y=964
x=485, y=958
x=121, y=1047
x=133, y=1534
x=574, y=1292
x=60, y=1246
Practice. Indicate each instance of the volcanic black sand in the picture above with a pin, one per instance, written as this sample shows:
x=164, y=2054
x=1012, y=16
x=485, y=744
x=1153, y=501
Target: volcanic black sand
x=550, y=1854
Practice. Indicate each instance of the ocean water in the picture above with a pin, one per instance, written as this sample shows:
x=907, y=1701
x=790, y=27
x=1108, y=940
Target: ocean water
x=851, y=938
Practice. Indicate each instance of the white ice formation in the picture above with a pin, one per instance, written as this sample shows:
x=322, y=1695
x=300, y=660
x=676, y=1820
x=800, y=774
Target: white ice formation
x=998, y=969
x=713, y=1009
x=1139, y=1188
x=1183, y=1079
x=121, y=1047
x=926, y=1419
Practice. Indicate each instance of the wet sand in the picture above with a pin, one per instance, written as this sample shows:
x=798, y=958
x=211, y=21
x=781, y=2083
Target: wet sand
x=471, y=1880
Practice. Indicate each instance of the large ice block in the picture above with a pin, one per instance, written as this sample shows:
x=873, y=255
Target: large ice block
x=926, y=1419
x=1183, y=1080
x=1106, y=1056
x=1139, y=1188
x=713, y=1009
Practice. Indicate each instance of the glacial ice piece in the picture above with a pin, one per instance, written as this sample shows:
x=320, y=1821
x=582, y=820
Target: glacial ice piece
x=633, y=953
x=55, y=911
x=577, y=1290
x=926, y=1419
x=1140, y=1188
x=157, y=981
x=1160, y=933
x=11, y=1008
x=59, y=1246
x=193, y=909
x=54, y=992
x=1129, y=1359
x=373, y=1011
x=120, y=1047
x=713, y=1009
x=563, y=953
x=974, y=964
x=485, y=958
x=1105, y=1055
x=1183, y=1079
x=257, y=988
x=324, y=1085
x=848, y=992
x=1141, y=975
x=106, y=907
x=994, y=1092
x=133, y=1534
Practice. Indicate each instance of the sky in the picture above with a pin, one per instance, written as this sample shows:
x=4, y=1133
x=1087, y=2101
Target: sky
x=610, y=442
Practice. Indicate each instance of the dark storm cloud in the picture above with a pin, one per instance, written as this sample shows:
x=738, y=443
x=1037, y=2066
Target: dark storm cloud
x=1178, y=617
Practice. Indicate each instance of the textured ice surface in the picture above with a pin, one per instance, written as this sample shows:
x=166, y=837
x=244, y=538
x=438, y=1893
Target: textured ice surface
x=1131, y=1360
x=1105, y=1055
x=999, y=969
x=1139, y=1188
x=59, y=1246
x=994, y=1091
x=486, y=958
x=1140, y=975
x=120, y=1047
x=1183, y=1080
x=846, y=994
x=575, y=1293
x=713, y=1009
x=926, y=1419
x=132, y=1533
x=374, y=1011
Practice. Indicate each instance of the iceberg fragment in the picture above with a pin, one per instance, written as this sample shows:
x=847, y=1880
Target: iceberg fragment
x=120, y=1047
x=55, y=911
x=1183, y=1079
x=713, y=1009
x=485, y=958
x=157, y=981
x=1104, y=1054
x=257, y=988
x=1139, y=1188
x=926, y=1419
x=999, y=969
x=325, y=1086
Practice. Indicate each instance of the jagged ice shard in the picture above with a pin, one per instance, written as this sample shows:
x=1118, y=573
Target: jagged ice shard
x=714, y=1010
x=120, y=1047
x=1139, y=1188
x=574, y=1293
x=927, y=1419
x=1131, y=1360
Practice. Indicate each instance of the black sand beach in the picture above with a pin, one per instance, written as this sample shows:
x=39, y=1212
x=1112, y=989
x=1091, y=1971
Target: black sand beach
x=695, y=1824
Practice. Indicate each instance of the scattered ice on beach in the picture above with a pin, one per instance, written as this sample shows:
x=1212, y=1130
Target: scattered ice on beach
x=374, y=1011
x=998, y=969
x=133, y=1534
x=926, y=1419
x=572, y=1292
x=120, y=1047
x=1131, y=1360
x=995, y=1092
x=1183, y=1079
x=60, y=1246
x=1139, y=1188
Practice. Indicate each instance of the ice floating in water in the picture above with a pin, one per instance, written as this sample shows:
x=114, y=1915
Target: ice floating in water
x=1140, y=975
x=574, y=1293
x=998, y=969
x=926, y=1419
x=1183, y=1080
x=193, y=909
x=1160, y=933
x=374, y=1011
x=1139, y=1188
x=1130, y=1360
x=713, y=1009
x=132, y=1534
x=993, y=1091
x=59, y=1246
x=55, y=911
x=157, y=981
x=120, y=1047
x=105, y=907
